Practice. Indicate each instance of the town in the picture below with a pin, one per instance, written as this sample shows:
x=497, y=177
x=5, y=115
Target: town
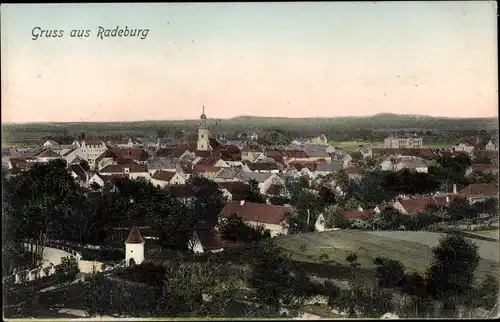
x=234, y=227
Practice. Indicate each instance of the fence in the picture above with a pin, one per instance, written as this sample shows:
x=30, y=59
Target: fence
x=45, y=267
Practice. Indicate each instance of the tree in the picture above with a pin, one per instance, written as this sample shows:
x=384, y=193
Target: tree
x=272, y=279
x=352, y=259
x=334, y=217
x=486, y=294
x=276, y=138
x=460, y=209
x=209, y=200
x=68, y=268
x=452, y=269
x=389, y=271
x=82, y=136
x=341, y=177
x=236, y=229
x=160, y=133
x=195, y=289
x=254, y=194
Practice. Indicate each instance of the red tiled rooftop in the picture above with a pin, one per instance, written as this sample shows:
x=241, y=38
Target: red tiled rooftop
x=255, y=212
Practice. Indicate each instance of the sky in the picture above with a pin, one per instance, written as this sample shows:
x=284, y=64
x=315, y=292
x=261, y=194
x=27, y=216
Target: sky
x=265, y=59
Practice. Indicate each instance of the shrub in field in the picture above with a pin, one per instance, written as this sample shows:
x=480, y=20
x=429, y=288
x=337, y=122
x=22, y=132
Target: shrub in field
x=68, y=268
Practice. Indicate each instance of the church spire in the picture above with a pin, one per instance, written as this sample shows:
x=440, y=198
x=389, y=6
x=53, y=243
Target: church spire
x=203, y=116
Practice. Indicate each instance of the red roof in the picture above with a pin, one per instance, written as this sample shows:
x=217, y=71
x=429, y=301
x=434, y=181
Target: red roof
x=483, y=167
x=163, y=175
x=354, y=171
x=170, y=153
x=93, y=142
x=203, y=154
x=262, y=166
x=256, y=212
x=486, y=154
x=480, y=189
x=113, y=168
x=252, y=148
x=356, y=214
x=419, y=204
x=296, y=154
x=134, y=237
x=300, y=165
x=212, y=239
x=202, y=168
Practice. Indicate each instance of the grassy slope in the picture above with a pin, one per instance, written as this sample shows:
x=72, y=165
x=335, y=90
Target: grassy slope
x=416, y=256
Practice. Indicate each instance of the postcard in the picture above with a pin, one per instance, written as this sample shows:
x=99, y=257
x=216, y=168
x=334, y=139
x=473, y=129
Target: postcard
x=287, y=160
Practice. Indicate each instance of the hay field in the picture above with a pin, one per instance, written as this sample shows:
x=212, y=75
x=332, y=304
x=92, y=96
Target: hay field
x=413, y=249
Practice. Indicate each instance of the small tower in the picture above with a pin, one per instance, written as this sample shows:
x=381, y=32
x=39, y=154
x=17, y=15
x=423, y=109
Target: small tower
x=134, y=248
x=203, y=143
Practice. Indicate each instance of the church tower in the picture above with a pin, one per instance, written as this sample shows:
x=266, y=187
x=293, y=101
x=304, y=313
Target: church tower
x=203, y=143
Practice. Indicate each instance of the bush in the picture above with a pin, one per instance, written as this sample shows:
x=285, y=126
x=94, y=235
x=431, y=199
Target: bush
x=68, y=269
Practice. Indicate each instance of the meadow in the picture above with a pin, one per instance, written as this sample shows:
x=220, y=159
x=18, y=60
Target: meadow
x=326, y=252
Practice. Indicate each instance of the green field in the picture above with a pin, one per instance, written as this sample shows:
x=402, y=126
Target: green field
x=486, y=233
x=437, y=145
x=413, y=249
x=353, y=145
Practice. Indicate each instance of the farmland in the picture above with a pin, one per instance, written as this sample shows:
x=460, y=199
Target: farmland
x=413, y=249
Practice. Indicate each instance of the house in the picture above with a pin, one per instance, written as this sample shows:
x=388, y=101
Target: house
x=412, y=164
x=234, y=190
x=479, y=192
x=228, y=174
x=78, y=174
x=96, y=178
x=266, y=167
x=403, y=141
x=366, y=152
x=355, y=173
x=90, y=150
x=320, y=224
x=271, y=217
x=481, y=167
x=46, y=155
x=164, y=178
x=50, y=143
x=136, y=171
x=327, y=168
x=417, y=205
x=208, y=240
x=207, y=171
x=160, y=163
x=321, y=139
x=127, y=143
x=265, y=180
x=358, y=214
x=301, y=141
x=19, y=165
x=343, y=156
x=251, y=152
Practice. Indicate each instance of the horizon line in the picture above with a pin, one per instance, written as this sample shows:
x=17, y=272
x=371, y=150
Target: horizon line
x=263, y=117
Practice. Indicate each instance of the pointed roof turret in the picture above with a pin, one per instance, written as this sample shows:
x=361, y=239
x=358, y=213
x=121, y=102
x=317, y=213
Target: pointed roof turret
x=203, y=116
x=134, y=237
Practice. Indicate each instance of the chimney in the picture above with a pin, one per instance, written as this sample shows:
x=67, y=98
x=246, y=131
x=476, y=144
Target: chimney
x=454, y=188
x=242, y=202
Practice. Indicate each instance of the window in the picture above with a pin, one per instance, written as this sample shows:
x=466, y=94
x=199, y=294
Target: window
x=202, y=136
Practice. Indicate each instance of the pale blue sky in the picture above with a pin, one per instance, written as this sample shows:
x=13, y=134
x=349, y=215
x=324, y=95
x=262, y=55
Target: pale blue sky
x=300, y=59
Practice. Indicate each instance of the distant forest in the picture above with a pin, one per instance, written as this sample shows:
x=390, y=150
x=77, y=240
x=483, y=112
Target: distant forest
x=373, y=128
